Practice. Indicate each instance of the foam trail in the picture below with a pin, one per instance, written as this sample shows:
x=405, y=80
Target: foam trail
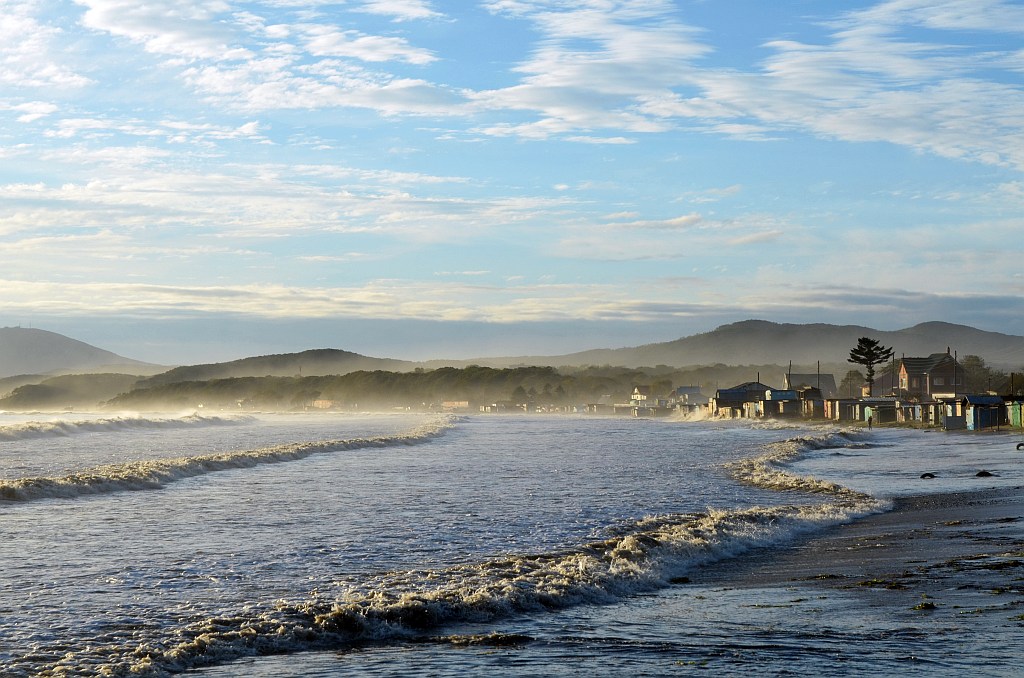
x=155, y=474
x=65, y=427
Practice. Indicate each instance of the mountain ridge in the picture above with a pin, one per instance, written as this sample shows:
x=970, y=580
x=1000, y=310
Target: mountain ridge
x=747, y=342
x=756, y=341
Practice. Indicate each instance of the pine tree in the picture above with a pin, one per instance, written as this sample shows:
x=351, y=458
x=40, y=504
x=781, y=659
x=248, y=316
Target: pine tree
x=869, y=352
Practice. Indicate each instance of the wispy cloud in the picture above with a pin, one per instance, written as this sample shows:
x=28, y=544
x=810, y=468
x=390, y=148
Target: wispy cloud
x=681, y=222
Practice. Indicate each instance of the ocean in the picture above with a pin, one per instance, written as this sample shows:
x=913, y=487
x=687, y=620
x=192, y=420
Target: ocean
x=324, y=544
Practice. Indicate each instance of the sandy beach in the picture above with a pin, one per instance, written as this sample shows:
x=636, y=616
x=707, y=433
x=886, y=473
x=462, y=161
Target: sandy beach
x=936, y=585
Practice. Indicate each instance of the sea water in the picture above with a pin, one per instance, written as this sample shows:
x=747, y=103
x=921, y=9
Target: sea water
x=397, y=544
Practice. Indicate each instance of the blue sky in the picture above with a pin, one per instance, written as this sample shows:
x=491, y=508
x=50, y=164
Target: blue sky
x=187, y=181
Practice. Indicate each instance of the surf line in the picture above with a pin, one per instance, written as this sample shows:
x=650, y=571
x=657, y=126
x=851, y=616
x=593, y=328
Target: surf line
x=157, y=473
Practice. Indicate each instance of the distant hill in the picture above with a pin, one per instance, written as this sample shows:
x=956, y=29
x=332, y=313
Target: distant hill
x=317, y=362
x=761, y=342
x=34, y=351
x=68, y=391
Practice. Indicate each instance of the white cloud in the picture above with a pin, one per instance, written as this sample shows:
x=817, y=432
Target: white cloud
x=401, y=10
x=31, y=111
x=189, y=28
x=30, y=54
x=972, y=15
x=597, y=63
x=326, y=41
x=757, y=238
x=681, y=222
x=871, y=83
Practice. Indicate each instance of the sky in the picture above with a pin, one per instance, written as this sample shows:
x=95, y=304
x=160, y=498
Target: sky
x=187, y=181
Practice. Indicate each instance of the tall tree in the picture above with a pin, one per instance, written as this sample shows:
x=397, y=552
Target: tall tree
x=869, y=352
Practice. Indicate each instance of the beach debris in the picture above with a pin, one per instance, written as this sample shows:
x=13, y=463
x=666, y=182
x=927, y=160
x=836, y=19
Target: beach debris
x=984, y=474
x=927, y=476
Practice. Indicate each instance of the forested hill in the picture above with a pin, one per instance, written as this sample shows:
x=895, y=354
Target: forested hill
x=307, y=363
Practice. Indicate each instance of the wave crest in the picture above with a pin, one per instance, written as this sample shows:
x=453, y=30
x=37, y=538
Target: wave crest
x=65, y=427
x=154, y=474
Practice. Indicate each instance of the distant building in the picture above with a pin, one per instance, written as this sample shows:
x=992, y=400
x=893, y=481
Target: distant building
x=641, y=394
x=734, y=401
x=826, y=383
x=690, y=395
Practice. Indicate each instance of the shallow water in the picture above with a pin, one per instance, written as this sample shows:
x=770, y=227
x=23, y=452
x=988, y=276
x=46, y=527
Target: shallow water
x=529, y=545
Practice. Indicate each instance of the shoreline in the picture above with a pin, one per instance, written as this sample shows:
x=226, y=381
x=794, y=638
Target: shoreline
x=946, y=555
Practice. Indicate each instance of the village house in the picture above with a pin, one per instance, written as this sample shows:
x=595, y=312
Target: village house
x=937, y=376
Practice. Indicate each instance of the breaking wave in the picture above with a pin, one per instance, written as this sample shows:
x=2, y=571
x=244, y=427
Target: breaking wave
x=155, y=474
x=66, y=427
x=644, y=555
x=654, y=553
x=767, y=470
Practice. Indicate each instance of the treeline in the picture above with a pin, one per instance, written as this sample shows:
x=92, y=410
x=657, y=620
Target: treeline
x=417, y=389
x=369, y=389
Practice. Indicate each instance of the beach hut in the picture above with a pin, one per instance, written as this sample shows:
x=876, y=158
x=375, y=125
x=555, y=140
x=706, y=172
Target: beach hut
x=983, y=411
x=1013, y=414
x=880, y=410
x=739, y=400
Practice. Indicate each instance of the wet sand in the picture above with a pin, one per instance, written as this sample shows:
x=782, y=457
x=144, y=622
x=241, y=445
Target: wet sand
x=960, y=553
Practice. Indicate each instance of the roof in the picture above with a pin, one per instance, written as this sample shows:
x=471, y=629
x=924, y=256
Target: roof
x=749, y=386
x=826, y=382
x=922, y=365
x=983, y=399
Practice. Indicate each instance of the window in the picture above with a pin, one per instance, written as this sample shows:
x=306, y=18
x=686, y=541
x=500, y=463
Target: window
x=938, y=381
